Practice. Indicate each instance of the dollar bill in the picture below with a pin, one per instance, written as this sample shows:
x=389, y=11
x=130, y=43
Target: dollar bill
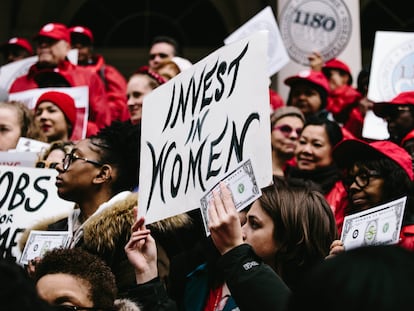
x=243, y=186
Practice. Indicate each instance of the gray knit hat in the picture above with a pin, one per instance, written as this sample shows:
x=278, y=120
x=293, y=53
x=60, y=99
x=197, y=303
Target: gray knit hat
x=286, y=111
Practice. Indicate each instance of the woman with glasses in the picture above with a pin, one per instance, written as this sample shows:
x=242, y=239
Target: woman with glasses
x=55, y=154
x=100, y=174
x=373, y=174
x=314, y=162
x=286, y=127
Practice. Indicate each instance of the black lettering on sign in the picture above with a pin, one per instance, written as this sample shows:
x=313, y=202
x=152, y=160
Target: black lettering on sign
x=20, y=191
x=7, y=243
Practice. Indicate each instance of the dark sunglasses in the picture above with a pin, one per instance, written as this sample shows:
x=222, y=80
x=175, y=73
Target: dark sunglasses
x=161, y=55
x=286, y=129
x=44, y=164
x=362, y=178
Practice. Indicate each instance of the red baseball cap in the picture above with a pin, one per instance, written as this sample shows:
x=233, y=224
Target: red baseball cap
x=82, y=30
x=339, y=65
x=351, y=150
x=21, y=42
x=63, y=101
x=382, y=109
x=315, y=77
x=407, y=137
x=56, y=31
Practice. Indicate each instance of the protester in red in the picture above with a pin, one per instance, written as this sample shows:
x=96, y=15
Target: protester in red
x=53, y=45
x=115, y=83
x=16, y=49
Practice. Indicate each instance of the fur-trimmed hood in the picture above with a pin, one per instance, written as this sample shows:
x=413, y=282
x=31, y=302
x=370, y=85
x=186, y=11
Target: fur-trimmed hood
x=103, y=231
x=125, y=305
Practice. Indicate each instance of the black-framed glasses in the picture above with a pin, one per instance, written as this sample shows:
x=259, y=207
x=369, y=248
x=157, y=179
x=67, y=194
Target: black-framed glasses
x=362, y=178
x=286, y=129
x=76, y=308
x=161, y=55
x=70, y=157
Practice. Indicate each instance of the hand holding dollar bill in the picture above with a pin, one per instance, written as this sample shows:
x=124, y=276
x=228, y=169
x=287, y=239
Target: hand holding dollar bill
x=243, y=186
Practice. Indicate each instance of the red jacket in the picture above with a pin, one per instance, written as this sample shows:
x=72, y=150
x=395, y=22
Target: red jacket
x=343, y=103
x=99, y=112
x=115, y=87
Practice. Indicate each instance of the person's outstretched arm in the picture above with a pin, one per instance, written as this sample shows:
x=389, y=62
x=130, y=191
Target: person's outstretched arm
x=141, y=251
x=253, y=284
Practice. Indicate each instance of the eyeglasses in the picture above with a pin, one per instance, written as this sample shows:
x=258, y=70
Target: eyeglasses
x=76, y=308
x=287, y=129
x=361, y=179
x=161, y=55
x=70, y=157
x=44, y=164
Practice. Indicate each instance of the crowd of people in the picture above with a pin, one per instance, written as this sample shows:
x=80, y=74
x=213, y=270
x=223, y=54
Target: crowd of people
x=282, y=252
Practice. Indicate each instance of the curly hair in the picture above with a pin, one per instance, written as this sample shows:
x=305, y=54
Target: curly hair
x=85, y=266
x=304, y=227
x=119, y=145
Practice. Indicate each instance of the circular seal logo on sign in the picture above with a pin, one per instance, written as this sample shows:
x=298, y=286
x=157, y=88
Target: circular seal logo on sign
x=309, y=25
x=396, y=73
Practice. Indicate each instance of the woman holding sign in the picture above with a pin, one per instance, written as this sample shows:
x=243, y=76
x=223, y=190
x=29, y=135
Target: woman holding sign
x=100, y=175
x=376, y=173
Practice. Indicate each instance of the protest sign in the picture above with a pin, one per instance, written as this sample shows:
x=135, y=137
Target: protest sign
x=19, y=158
x=264, y=20
x=80, y=94
x=27, y=196
x=392, y=66
x=13, y=70
x=198, y=126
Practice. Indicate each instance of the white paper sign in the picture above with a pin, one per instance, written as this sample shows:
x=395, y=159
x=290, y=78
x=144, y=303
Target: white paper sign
x=374, y=127
x=200, y=125
x=18, y=158
x=375, y=226
x=264, y=20
x=80, y=94
x=27, y=196
x=392, y=66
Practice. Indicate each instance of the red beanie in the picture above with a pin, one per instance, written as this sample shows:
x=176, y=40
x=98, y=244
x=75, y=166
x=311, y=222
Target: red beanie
x=63, y=101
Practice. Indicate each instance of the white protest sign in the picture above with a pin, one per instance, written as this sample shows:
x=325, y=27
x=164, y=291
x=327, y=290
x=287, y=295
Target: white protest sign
x=11, y=71
x=198, y=126
x=264, y=20
x=392, y=66
x=27, y=196
x=80, y=94
x=17, y=158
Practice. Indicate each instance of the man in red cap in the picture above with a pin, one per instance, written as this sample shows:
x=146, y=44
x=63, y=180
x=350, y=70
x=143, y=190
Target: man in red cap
x=53, y=45
x=114, y=81
x=399, y=114
x=16, y=49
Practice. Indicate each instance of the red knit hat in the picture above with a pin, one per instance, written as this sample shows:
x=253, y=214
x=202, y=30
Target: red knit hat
x=63, y=101
x=382, y=109
x=350, y=150
x=21, y=42
x=83, y=31
x=315, y=77
x=56, y=31
x=337, y=64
